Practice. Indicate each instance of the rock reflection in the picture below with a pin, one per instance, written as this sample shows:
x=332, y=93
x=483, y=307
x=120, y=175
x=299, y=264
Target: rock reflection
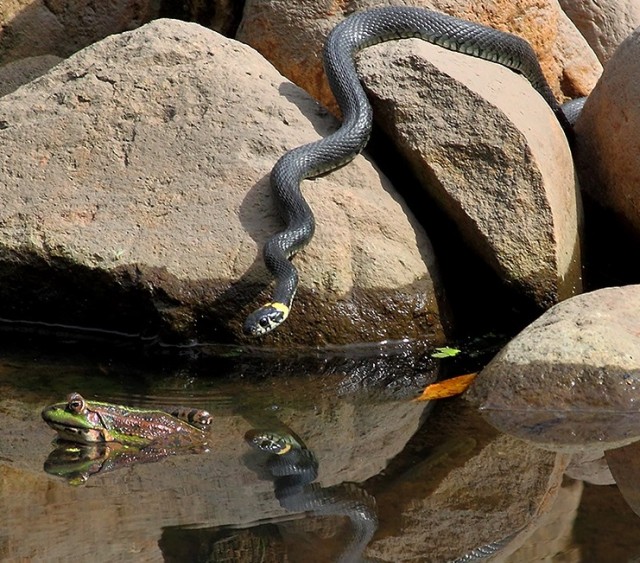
x=294, y=468
x=604, y=445
x=468, y=493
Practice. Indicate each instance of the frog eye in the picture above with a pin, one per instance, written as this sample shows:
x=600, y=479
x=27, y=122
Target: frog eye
x=76, y=403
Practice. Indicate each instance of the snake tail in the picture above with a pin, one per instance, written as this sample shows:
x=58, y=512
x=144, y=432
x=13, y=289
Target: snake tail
x=357, y=32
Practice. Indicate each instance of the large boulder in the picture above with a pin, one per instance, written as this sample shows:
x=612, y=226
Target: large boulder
x=477, y=492
x=608, y=136
x=504, y=174
x=581, y=356
x=135, y=181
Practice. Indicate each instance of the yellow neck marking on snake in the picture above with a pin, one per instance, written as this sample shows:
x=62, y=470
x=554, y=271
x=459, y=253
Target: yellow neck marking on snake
x=280, y=307
x=284, y=450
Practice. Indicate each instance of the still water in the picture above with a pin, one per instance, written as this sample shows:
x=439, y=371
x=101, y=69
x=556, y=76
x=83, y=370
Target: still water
x=379, y=477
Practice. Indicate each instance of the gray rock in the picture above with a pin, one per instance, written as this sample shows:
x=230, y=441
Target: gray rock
x=581, y=355
x=136, y=197
x=594, y=471
x=62, y=27
x=477, y=490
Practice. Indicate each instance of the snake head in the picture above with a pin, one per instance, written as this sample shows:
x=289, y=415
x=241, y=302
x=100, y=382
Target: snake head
x=265, y=319
x=267, y=441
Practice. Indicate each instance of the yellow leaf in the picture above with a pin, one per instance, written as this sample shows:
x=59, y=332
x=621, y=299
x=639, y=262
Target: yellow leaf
x=447, y=387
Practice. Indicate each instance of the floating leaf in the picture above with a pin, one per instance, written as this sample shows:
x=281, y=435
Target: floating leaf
x=445, y=352
x=447, y=387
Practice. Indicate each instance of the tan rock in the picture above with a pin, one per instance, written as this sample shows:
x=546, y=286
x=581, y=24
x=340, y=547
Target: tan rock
x=291, y=36
x=554, y=538
x=579, y=357
x=139, y=168
x=580, y=66
x=624, y=463
x=608, y=142
x=603, y=23
x=464, y=139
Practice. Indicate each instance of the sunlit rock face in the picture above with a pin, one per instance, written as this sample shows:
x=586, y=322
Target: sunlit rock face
x=580, y=356
x=608, y=133
x=291, y=35
x=603, y=23
x=136, y=197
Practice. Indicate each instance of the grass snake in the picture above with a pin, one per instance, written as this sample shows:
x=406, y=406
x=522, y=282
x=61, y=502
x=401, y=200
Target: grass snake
x=356, y=32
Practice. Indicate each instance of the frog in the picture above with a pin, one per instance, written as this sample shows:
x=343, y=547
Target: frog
x=93, y=422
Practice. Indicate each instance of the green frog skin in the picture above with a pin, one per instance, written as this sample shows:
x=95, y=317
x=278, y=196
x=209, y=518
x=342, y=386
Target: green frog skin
x=84, y=422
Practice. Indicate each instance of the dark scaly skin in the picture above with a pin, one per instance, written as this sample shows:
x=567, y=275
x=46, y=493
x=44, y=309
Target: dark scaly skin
x=350, y=36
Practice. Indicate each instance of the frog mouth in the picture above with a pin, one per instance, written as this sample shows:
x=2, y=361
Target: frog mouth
x=81, y=435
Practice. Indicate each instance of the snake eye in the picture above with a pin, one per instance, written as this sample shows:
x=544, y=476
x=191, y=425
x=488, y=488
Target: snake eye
x=76, y=403
x=264, y=322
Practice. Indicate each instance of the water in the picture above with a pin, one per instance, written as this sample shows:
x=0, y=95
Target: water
x=383, y=478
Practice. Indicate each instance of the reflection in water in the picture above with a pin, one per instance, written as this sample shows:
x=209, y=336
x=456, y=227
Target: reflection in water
x=294, y=467
x=604, y=444
x=78, y=462
x=441, y=488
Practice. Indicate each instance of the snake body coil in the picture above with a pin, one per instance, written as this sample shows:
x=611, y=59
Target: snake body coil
x=347, y=38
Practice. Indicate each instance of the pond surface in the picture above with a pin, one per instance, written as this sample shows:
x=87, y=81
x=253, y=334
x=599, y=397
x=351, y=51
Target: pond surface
x=376, y=477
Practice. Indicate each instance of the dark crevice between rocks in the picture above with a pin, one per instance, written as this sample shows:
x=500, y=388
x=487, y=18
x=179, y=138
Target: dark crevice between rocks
x=222, y=16
x=611, y=248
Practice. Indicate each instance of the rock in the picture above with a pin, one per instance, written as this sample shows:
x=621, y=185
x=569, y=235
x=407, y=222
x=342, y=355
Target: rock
x=594, y=471
x=62, y=27
x=136, y=198
x=581, y=355
x=608, y=139
x=554, y=538
x=15, y=74
x=291, y=36
x=568, y=430
x=603, y=23
x=579, y=63
x=519, y=210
